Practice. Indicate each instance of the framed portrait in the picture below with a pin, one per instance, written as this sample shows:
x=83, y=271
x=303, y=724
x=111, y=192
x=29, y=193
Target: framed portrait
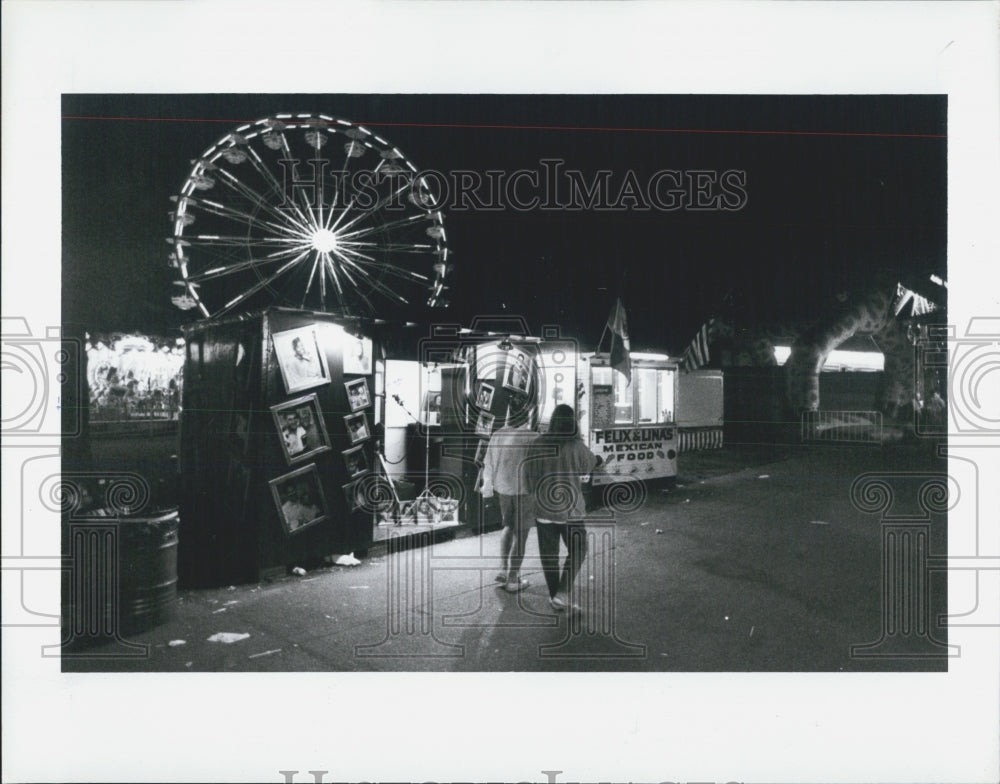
x=517, y=372
x=300, y=428
x=484, y=396
x=301, y=358
x=353, y=495
x=480, y=456
x=484, y=425
x=357, y=427
x=357, y=355
x=298, y=498
x=356, y=461
x=358, y=396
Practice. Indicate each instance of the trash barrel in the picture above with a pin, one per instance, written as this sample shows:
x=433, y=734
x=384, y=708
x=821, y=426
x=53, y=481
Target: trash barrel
x=148, y=563
x=122, y=577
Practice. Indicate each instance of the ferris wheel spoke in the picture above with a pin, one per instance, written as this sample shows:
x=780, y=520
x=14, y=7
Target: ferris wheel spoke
x=261, y=201
x=262, y=284
x=408, y=221
x=357, y=289
x=380, y=205
x=278, y=188
x=331, y=269
x=362, y=259
x=375, y=283
x=312, y=276
x=234, y=214
x=241, y=266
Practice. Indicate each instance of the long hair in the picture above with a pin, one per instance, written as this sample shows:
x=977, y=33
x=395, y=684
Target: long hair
x=562, y=424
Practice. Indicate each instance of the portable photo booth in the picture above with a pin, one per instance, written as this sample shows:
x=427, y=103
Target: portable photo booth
x=277, y=441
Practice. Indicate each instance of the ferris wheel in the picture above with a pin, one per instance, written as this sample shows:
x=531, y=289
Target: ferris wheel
x=306, y=211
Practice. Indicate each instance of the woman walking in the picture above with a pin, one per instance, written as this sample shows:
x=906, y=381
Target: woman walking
x=557, y=464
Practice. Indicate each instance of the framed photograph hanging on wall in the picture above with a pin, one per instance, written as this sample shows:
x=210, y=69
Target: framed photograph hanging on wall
x=301, y=358
x=356, y=461
x=300, y=428
x=298, y=498
x=484, y=397
x=517, y=372
x=484, y=426
x=358, y=396
x=357, y=355
x=357, y=427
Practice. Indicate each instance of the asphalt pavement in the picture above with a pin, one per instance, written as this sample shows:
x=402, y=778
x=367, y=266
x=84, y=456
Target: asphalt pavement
x=759, y=558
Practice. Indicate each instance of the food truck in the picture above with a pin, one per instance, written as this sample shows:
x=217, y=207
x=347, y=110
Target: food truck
x=487, y=380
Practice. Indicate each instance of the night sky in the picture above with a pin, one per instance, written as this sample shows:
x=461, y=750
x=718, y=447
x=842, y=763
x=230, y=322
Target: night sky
x=840, y=190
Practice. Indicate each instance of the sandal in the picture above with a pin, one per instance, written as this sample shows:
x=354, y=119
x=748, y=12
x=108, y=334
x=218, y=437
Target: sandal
x=514, y=587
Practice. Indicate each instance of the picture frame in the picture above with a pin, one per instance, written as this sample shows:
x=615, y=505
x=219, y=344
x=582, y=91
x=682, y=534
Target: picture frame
x=356, y=461
x=298, y=499
x=357, y=355
x=357, y=426
x=484, y=425
x=517, y=372
x=358, y=394
x=484, y=397
x=480, y=455
x=351, y=496
x=301, y=358
x=300, y=428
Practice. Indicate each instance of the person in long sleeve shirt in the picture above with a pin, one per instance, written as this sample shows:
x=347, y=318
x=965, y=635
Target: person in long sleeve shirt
x=557, y=464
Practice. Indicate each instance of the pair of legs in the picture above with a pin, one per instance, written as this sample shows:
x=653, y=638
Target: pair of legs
x=559, y=579
x=514, y=538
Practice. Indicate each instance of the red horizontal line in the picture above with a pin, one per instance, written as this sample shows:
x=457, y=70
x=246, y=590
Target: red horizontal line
x=602, y=129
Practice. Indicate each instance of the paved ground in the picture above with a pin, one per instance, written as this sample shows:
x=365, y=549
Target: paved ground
x=758, y=560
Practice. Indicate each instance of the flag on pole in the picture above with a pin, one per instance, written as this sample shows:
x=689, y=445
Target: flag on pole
x=696, y=355
x=618, y=324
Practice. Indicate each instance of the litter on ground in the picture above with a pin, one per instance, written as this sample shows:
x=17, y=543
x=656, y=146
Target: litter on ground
x=764, y=476
x=175, y=643
x=299, y=571
x=346, y=560
x=818, y=522
x=228, y=637
x=264, y=653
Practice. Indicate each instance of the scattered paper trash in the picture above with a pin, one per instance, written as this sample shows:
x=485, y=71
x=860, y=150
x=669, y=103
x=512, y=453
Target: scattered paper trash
x=764, y=476
x=358, y=587
x=818, y=522
x=751, y=630
x=175, y=643
x=228, y=637
x=299, y=571
x=188, y=664
x=687, y=500
x=232, y=601
x=727, y=617
x=231, y=588
x=659, y=530
x=264, y=653
x=221, y=609
x=646, y=523
x=347, y=560
x=680, y=485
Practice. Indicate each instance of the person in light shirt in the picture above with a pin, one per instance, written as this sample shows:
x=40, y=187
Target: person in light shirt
x=503, y=474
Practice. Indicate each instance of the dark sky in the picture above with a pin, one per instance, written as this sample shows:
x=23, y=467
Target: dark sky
x=839, y=190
